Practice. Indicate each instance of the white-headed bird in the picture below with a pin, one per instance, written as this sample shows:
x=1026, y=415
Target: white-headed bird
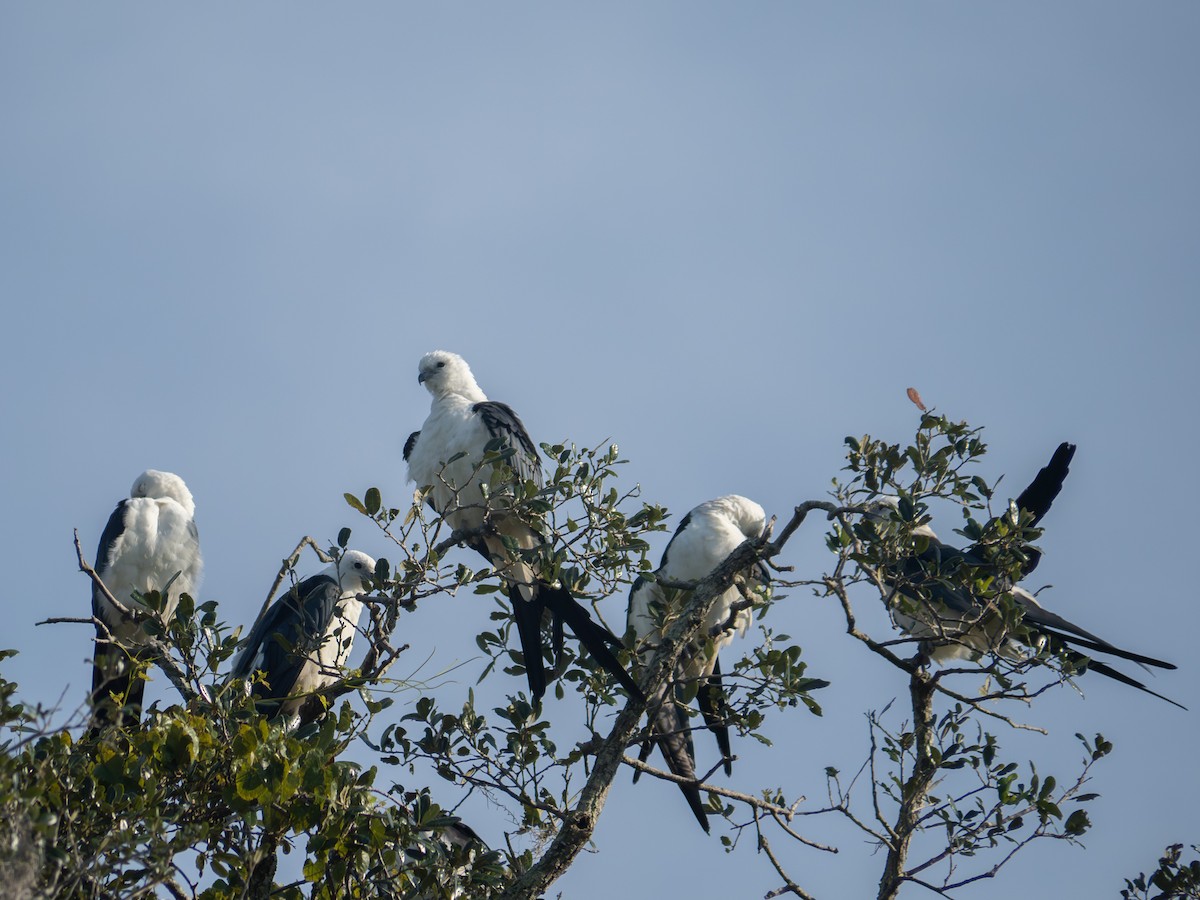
x=704, y=539
x=955, y=623
x=303, y=641
x=149, y=544
x=446, y=456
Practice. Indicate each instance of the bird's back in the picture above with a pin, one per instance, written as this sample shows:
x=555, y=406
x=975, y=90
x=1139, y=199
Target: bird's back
x=159, y=539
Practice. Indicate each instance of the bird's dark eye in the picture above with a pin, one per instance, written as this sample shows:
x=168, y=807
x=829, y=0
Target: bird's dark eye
x=358, y=565
x=441, y=365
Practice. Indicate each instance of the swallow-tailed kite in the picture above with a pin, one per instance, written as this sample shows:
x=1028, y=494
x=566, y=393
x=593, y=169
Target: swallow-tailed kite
x=446, y=456
x=302, y=643
x=149, y=544
x=957, y=624
x=456, y=849
x=704, y=539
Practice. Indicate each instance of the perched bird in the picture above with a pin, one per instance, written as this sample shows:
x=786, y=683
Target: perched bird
x=302, y=643
x=959, y=624
x=450, y=848
x=149, y=544
x=446, y=456
x=704, y=539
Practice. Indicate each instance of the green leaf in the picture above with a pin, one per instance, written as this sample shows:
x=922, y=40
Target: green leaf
x=1077, y=823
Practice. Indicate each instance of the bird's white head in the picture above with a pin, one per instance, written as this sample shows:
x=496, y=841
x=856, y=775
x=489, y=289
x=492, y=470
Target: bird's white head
x=443, y=373
x=354, y=571
x=163, y=486
x=749, y=518
x=880, y=511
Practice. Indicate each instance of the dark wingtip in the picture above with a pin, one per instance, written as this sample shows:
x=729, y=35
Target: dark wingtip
x=1046, y=485
x=698, y=810
x=713, y=707
x=691, y=793
x=594, y=637
x=528, y=618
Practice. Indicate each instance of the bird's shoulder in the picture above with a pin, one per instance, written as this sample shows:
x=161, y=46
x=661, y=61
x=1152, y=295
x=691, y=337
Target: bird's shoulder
x=640, y=616
x=304, y=610
x=317, y=594
x=502, y=421
x=113, y=530
x=702, y=541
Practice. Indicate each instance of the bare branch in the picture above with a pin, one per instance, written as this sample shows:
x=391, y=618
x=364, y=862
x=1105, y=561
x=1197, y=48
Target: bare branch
x=789, y=886
x=749, y=799
x=288, y=563
x=86, y=568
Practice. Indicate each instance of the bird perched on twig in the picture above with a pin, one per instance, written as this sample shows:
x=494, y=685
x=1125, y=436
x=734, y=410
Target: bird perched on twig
x=303, y=641
x=956, y=623
x=704, y=539
x=149, y=544
x=447, y=457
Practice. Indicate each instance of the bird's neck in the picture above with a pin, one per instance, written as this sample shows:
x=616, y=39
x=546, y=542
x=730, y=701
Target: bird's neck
x=466, y=394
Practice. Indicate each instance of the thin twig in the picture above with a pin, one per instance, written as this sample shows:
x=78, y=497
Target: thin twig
x=749, y=799
x=288, y=563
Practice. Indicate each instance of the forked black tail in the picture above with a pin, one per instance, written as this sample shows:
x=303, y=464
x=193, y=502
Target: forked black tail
x=669, y=724
x=114, y=673
x=565, y=609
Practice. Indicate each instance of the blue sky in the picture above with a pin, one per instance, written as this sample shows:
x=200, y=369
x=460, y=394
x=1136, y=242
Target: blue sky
x=724, y=237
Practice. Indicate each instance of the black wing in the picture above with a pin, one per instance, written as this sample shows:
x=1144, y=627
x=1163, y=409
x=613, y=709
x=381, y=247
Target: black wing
x=112, y=532
x=714, y=706
x=672, y=732
x=504, y=424
x=1037, y=498
x=111, y=665
x=1047, y=484
x=930, y=570
x=410, y=443
x=1061, y=633
x=683, y=523
x=292, y=629
x=594, y=637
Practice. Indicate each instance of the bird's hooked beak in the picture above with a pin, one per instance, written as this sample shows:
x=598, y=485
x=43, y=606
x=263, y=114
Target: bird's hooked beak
x=420, y=378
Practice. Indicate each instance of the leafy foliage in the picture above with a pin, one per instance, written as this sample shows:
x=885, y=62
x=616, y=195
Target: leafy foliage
x=201, y=798
x=1174, y=879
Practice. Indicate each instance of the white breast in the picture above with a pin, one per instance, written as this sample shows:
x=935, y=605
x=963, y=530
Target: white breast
x=452, y=428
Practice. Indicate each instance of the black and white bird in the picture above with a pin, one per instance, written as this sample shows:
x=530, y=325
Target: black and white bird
x=303, y=641
x=454, y=850
x=956, y=624
x=446, y=456
x=149, y=544
x=704, y=539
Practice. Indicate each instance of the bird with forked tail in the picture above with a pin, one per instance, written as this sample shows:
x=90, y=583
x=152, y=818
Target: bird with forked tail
x=447, y=457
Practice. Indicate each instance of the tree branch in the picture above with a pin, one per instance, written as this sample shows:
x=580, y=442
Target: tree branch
x=581, y=820
x=749, y=799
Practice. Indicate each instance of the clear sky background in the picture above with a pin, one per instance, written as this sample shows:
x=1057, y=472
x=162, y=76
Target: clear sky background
x=724, y=236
